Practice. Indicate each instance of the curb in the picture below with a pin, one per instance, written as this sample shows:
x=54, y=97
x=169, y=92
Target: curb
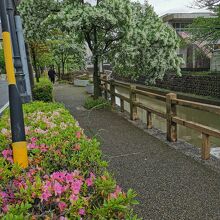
x=4, y=108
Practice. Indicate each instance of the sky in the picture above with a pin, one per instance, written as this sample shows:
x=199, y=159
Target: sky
x=168, y=6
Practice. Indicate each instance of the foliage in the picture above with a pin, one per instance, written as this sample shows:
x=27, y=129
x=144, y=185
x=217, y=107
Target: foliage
x=210, y=4
x=99, y=103
x=2, y=61
x=66, y=49
x=66, y=178
x=100, y=25
x=43, y=91
x=34, y=29
x=149, y=48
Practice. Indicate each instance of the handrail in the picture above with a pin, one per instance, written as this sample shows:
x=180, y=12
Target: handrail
x=197, y=105
x=171, y=117
x=197, y=126
x=151, y=95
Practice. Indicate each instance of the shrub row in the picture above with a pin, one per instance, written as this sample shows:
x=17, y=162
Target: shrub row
x=43, y=91
x=66, y=177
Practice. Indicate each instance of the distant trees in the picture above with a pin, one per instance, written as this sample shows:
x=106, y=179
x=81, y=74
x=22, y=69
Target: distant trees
x=207, y=29
x=210, y=4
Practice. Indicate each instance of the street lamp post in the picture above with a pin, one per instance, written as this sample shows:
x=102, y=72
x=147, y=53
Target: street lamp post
x=20, y=76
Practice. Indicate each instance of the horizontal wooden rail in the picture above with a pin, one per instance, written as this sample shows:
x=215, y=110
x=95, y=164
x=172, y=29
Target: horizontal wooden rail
x=198, y=127
x=123, y=97
x=172, y=120
x=158, y=113
x=151, y=95
x=121, y=85
x=197, y=105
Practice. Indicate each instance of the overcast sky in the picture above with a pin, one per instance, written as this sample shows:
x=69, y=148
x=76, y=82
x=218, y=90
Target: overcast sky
x=169, y=6
x=166, y=6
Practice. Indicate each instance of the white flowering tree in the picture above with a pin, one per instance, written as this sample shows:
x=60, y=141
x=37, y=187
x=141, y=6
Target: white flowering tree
x=128, y=34
x=100, y=24
x=33, y=13
x=148, y=49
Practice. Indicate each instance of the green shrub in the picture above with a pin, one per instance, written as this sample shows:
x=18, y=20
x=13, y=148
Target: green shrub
x=66, y=177
x=43, y=91
x=100, y=103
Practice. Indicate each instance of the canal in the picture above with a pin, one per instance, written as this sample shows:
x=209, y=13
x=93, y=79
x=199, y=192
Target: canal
x=189, y=135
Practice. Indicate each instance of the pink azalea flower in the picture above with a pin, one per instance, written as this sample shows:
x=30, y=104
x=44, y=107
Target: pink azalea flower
x=46, y=195
x=7, y=154
x=69, y=178
x=58, y=188
x=33, y=140
x=76, y=186
x=5, y=208
x=115, y=195
x=77, y=147
x=82, y=212
x=62, y=206
x=73, y=198
x=63, y=218
x=89, y=181
x=78, y=134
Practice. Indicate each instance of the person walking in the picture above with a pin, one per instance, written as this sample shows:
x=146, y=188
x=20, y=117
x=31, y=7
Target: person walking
x=52, y=75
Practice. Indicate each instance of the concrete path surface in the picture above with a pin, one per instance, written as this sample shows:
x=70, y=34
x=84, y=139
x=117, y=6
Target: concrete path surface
x=3, y=93
x=169, y=184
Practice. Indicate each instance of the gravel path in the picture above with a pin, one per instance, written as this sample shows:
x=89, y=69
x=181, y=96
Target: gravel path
x=169, y=184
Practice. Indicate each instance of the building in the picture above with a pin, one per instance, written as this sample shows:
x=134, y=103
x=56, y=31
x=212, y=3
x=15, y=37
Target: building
x=196, y=55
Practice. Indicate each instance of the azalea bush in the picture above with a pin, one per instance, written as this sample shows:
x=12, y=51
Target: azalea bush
x=43, y=91
x=66, y=177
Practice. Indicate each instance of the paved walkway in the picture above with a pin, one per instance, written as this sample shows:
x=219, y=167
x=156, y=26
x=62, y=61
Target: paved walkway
x=169, y=184
x=3, y=93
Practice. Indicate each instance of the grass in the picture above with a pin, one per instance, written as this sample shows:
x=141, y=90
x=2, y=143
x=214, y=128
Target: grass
x=100, y=103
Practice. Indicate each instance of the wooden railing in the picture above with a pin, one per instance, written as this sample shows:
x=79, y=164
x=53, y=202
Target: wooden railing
x=172, y=119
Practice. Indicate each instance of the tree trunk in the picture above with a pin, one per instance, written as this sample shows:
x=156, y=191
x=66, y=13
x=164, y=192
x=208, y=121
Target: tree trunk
x=35, y=63
x=96, y=79
x=58, y=70
x=96, y=74
x=63, y=68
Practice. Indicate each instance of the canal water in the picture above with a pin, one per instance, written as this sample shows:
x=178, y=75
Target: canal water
x=187, y=134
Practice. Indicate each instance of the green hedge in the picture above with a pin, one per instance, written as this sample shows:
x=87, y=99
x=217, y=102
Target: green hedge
x=43, y=91
x=66, y=178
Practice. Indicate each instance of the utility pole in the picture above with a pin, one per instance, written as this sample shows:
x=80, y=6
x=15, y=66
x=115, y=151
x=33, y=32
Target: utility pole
x=19, y=144
x=20, y=76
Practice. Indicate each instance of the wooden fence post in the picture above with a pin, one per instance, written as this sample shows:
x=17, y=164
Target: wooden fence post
x=205, y=152
x=171, y=111
x=133, y=98
x=122, y=105
x=112, y=90
x=149, y=120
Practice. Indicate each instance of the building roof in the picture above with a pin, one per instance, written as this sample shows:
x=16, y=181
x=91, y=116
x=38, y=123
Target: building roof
x=186, y=16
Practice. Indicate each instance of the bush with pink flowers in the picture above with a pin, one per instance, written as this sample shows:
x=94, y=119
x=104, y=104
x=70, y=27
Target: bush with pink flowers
x=66, y=177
